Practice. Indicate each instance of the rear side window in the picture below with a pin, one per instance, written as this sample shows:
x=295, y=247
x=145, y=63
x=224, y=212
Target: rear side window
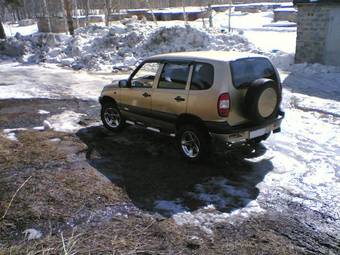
x=245, y=71
x=174, y=76
x=202, y=77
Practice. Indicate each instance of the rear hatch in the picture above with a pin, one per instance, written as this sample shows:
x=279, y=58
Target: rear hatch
x=243, y=74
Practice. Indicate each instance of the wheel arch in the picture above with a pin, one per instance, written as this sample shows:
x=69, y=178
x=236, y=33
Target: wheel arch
x=107, y=99
x=190, y=119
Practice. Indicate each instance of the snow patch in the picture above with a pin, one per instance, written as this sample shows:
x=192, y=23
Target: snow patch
x=67, y=121
x=43, y=112
x=32, y=234
x=209, y=216
x=170, y=207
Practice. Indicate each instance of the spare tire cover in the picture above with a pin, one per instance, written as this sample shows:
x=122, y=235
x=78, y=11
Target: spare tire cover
x=262, y=100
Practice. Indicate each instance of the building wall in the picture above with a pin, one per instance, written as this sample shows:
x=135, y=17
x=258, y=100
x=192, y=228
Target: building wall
x=312, y=30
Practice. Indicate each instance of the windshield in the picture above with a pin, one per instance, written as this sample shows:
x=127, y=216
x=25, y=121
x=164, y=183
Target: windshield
x=245, y=71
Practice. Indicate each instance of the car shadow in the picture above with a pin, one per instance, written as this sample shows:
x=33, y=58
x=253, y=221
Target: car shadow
x=149, y=168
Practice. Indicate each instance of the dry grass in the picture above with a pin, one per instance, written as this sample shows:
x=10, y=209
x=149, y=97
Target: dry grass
x=59, y=188
x=33, y=149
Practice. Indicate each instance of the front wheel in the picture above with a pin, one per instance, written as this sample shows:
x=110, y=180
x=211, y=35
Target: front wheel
x=112, y=118
x=193, y=143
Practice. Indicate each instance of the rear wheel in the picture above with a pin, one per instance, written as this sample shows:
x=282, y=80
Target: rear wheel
x=112, y=118
x=193, y=143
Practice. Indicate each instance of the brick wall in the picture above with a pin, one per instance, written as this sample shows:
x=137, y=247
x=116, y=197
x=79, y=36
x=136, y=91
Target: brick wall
x=312, y=29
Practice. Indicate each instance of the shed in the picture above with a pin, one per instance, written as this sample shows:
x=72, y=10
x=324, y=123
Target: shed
x=318, y=32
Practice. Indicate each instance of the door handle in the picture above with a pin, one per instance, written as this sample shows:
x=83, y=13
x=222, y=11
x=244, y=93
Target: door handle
x=179, y=99
x=146, y=94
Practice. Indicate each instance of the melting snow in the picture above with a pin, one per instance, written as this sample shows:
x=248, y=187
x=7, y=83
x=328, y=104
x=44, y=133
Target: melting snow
x=67, y=121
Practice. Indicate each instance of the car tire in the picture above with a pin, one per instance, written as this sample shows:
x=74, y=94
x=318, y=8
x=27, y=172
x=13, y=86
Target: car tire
x=194, y=144
x=112, y=118
x=262, y=100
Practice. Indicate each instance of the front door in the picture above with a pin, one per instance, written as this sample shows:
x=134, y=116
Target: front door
x=171, y=93
x=136, y=100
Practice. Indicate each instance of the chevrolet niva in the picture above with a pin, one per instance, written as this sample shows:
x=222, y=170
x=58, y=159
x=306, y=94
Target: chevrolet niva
x=195, y=96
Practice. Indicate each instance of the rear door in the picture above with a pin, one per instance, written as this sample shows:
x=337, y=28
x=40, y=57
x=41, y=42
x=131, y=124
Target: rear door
x=171, y=93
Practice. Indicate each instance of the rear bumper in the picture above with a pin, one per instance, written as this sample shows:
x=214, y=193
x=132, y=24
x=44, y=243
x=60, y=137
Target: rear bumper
x=245, y=131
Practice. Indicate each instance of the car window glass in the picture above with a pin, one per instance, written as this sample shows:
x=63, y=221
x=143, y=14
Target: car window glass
x=245, y=71
x=145, y=76
x=174, y=76
x=202, y=77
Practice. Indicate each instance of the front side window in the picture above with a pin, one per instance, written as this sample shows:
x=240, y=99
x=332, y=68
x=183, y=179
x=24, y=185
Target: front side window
x=174, y=76
x=247, y=70
x=202, y=77
x=145, y=76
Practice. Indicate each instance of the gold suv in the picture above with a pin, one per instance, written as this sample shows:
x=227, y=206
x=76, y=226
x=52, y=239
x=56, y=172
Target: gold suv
x=195, y=96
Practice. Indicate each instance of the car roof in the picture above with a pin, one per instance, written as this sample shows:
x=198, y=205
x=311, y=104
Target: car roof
x=221, y=56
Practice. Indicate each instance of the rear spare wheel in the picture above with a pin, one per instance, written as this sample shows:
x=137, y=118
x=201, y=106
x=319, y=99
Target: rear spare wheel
x=262, y=100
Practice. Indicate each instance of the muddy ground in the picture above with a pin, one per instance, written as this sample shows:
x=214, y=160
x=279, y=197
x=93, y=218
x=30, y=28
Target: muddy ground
x=88, y=191
x=95, y=192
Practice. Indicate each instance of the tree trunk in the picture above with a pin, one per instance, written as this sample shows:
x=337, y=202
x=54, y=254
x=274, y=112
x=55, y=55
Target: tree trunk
x=108, y=6
x=2, y=31
x=87, y=11
x=68, y=9
x=210, y=16
x=185, y=17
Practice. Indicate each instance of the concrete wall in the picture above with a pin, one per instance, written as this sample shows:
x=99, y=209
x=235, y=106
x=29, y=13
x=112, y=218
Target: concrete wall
x=312, y=29
x=318, y=39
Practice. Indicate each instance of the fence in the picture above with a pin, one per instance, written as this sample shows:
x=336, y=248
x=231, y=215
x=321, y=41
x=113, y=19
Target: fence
x=35, y=8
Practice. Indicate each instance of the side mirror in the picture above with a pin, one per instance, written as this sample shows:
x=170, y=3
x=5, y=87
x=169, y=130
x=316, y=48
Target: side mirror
x=123, y=83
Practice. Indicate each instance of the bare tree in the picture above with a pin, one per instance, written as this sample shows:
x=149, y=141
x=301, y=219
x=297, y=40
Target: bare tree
x=68, y=9
x=108, y=7
x=2, y=31
x=75, y=4
x=87, y=11
x=229, y=15
x=185, y=17
x=210, y=10
x=151, y=10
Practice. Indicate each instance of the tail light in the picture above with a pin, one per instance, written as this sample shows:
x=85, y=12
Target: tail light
x=223, y=105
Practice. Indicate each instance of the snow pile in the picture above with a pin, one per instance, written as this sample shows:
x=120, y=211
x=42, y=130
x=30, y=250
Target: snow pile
x=119, y=46
x=186, y=38
x=281, y=59
x=311, y=69
x=315, y=80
